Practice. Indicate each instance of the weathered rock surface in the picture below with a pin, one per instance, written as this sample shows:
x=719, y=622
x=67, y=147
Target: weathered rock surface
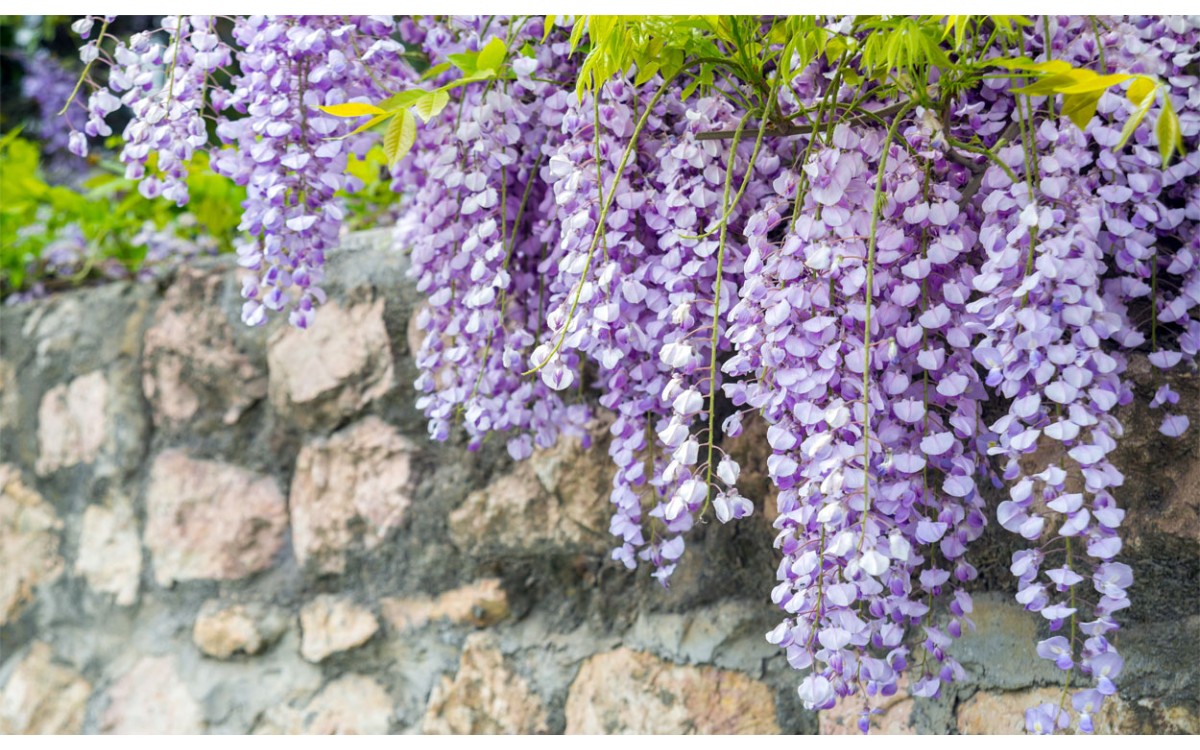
x=889, y=714
x=481, y=604
x=630, y=692
x=485, y=697
x=72, y=423
x=557, y=500
x=110, y=550
x=996, y=712
x=332, y=370
x=206, y=519
x=42, y=697
x=1001, y=712
x=351, y=488
x=191, y=363
x=222, y=630
x=331, y=624
x=151, y=698
x=352, y=704
x=29, y=542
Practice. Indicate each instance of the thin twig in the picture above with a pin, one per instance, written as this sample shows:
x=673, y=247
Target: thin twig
x=720, y=135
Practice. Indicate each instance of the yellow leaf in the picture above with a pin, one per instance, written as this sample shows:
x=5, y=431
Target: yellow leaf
x=1054, y=84
x=1141, y=87
x=351, y=109
x=1097, y=83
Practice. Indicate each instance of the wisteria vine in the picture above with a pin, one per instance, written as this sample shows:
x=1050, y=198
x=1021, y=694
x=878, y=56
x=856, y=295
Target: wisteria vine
x=923, y=263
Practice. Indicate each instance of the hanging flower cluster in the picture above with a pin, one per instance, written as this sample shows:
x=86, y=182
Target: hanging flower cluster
x=921, y=295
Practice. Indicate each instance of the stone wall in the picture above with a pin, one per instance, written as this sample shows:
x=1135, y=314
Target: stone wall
x=209, y=528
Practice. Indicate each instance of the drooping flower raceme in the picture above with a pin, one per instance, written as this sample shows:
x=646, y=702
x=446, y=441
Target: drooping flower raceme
x=924, y=305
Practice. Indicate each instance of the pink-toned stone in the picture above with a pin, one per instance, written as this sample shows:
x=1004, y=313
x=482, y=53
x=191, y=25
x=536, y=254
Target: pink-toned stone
x=481, y=603
x=332, y=624
x=191, y=360
x=333, y=369
x=556, y=499
x=894, y=717
x=352, y=704
x=631, y=692
x=485, y=697
x=1001, y=712
x=29, y=543
x=42, y=697
x=351, y=487
x=993, y=712
x=72, y=423
x=222, y=630
x=151, y=698
x=206, y=519
x=110, y=551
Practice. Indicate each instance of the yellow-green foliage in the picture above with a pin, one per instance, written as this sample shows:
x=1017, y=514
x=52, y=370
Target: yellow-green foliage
x=108, y=211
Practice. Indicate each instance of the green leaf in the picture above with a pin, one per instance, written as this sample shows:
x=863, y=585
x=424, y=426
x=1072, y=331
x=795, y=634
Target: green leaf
x=1134, y=120
x=351, y=109
x=467, y=62
x=474, y=77
x=370, y=124
x=400, y=137
x=577, y=32
x=1024, y=63
x=402, y=99
x=436, y=71
x=645, y=73
x=492, y=55
x=10, y=136
x=1170, y=136
x=691, y=88
x=430, y=105
x=547, y=28
x=1081, y=107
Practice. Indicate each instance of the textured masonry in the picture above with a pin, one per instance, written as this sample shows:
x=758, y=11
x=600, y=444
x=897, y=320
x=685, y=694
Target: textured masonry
x=209, y=528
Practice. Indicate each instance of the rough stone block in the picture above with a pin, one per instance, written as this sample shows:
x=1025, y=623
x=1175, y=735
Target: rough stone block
x=630, y=692
x=485, y=697
x=206, y=519
x=222, y=630
x=110, y=551
x=29, y=543
x=329, y=372
x=332, y=624
x=352, y=486
x=42, y=697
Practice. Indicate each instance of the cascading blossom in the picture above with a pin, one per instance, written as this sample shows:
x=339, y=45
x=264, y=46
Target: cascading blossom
x=922, y=304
